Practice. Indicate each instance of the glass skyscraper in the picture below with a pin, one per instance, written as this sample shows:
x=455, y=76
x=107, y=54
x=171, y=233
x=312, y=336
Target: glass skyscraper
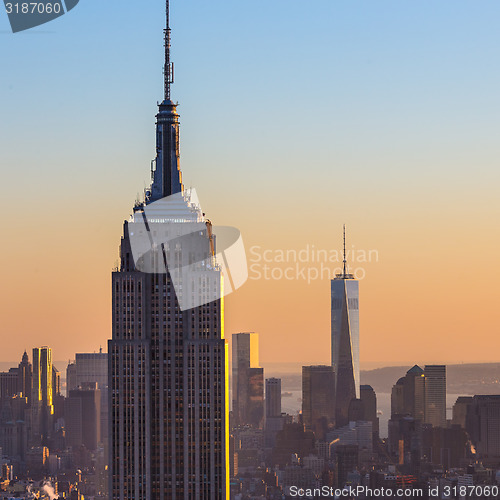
x=345, y=340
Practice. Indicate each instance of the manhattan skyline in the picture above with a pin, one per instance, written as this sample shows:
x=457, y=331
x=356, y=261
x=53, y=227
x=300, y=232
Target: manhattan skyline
x=400, y=144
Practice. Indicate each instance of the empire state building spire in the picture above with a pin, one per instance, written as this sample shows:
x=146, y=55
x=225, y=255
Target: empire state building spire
x=166, y=170
x=168, y=69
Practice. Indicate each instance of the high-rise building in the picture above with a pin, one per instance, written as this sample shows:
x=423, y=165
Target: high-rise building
x=25, y=373
x=414, y=396
x=408, y=395
x=167, y=364
x=245, y=358
x=56, y=382
x=9, y=383
x=82, y=414
x=461, y=409
x=483, y=425
x=369, y=404
x=318, y=399
x=42, y=394
x=274, y=419
x=255, y=398
x=273, y=397
x=347, y=456
x=345, y=340
x=71, y=377
x=435, y=395
x=91, y=367
x=88, y=367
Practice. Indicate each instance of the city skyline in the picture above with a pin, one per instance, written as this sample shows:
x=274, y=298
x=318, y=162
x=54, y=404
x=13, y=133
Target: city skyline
x=409, y=181
x=149, y=417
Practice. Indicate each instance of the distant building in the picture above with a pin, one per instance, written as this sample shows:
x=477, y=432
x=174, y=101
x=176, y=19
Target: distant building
x=82, y=417
x=460, y=410
x=355, y=433
x=318, y=399
x=255, y=398
x=42, y=395
x=298, y=477
x=408, y=395
x=346, y=456
x=293, y=439
x=14, y=427
x=91, y=367
x=56, y=382
x=398, y=399
x=273, y=397
x=445, y=447
x=9, y=382
x=71, y=382
x=274, y=420
x=435, y=395
x=313, y=462
x=483, y=425
x=405, y=440
x=345, y=340
x=369, y=403
x=25, y=375
x=248, y=378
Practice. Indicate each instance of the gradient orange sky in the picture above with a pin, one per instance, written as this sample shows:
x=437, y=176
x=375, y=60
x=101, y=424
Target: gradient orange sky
x=404, y=150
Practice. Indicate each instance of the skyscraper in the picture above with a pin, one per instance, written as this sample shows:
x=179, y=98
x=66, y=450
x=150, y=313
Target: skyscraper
x=255, y=398
x=91, y=367
x=274, y=419
x=82, y=414
x=318, y=399
x=435, y=395
x=25, y=373
x=483, y=425
x=245, y=362
x=369, y=404
x=408, y=395
x=167, y=364
x=345, y=340
x=273, y=397
x=42, y=394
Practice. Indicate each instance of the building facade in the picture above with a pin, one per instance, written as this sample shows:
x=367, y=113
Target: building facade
x=273, y=397
x=483, y=425
x=318, y=399
x=435, y=395
x=245, y=366
x=42, y=395
x=91, y=367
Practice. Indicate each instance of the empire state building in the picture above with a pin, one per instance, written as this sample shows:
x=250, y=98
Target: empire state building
x=167, y=362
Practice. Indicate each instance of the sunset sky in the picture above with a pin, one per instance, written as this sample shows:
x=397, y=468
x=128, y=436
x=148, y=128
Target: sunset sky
x=296, y=117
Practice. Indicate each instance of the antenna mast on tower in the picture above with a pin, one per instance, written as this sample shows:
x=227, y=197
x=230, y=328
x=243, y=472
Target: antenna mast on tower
x=345, y=260
x=168, y=69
